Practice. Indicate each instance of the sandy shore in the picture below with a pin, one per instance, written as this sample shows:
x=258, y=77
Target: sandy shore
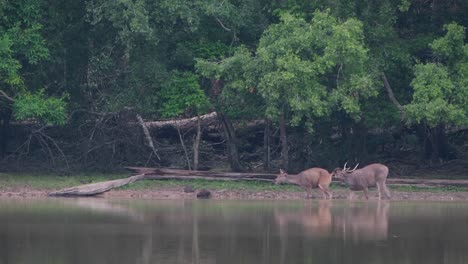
x=178, y=193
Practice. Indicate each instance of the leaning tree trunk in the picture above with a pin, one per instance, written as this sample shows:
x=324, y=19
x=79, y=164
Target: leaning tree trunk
x=149, y=139
x=196, y=144
x=284, y=143
x=231, y=142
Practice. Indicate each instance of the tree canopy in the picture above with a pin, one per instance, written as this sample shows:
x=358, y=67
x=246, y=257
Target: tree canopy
x=332, y=75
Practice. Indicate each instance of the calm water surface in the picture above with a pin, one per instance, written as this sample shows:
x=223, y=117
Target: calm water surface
x=103, y=231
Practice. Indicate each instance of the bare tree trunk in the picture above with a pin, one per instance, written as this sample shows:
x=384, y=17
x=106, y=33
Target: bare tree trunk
x=147, y=134
x=5, y=116
x=284, y=143
x=196, y=144
x=438, y=143
x=183, y=147
x=231, y=141
x=266, y=146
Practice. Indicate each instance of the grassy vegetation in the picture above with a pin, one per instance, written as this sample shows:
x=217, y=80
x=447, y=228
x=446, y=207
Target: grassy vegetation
x=50, y=181
x=414, y=188
x=212, y=185
x=54, y=182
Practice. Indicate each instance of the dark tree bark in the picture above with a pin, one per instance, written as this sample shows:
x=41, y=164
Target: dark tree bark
x=231, y=142
x=5, y=116
x=438, y=143
x=183, y=147
x=284, y=143
x=196, y=144
x=434, y=143
x=266, y=146
x=360, y=140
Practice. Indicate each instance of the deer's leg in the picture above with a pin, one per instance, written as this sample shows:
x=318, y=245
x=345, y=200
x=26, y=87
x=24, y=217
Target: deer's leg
x=324, y=191
x=379, y=190
x=366, y=193
x=329, y=194
x=351, y=195
x=309, y=191
x=387, y=192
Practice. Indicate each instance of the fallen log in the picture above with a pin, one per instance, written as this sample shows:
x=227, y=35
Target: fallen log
x=97, y=188
x=206, y=174
x=158, y=174
x=183, y=123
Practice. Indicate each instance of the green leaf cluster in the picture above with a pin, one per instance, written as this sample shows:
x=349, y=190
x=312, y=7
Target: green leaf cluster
x=49, y=110
x=309, y=68
x=183, y=93
x=440, y=88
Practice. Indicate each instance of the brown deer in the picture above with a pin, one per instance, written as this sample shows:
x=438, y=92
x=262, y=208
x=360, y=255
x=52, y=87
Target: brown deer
x=309, y=179
x=361, y=179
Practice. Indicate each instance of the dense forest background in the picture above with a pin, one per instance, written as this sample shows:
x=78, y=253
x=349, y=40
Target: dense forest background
x=267, y=84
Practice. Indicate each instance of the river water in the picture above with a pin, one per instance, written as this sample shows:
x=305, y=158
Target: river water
x=86, y=231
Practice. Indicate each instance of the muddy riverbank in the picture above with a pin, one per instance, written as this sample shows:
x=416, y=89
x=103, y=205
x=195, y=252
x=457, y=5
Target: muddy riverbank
x=177, y=192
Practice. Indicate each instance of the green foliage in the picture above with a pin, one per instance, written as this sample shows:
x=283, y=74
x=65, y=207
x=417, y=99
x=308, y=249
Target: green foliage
x=234, y=91
x=301, y=62
x=440, y=91
x=183, y=93
x=9, y=67
x=404, y=5
x=49, y=110
x=451, y=47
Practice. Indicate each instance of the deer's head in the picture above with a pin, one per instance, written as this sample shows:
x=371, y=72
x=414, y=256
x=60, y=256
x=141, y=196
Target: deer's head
x=282, y=177
x=341, y=173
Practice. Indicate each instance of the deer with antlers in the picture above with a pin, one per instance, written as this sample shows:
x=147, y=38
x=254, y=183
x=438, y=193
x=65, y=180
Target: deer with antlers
x=361, y=179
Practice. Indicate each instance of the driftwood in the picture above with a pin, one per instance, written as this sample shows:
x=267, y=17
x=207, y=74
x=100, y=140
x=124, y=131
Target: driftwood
x=96, y=188
x=158, y=174
x=143, y=173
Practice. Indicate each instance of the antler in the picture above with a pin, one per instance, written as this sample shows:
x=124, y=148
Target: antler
x=353, y=169
x=344, y=167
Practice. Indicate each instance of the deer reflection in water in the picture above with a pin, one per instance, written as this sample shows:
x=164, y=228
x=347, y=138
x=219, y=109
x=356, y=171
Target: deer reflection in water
x=313, y=220
x=364, y=221
x=354, y=221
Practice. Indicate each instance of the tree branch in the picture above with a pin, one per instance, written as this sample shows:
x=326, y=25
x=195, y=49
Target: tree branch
x=392, y=97
x=222, y=25
x=6, y=96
